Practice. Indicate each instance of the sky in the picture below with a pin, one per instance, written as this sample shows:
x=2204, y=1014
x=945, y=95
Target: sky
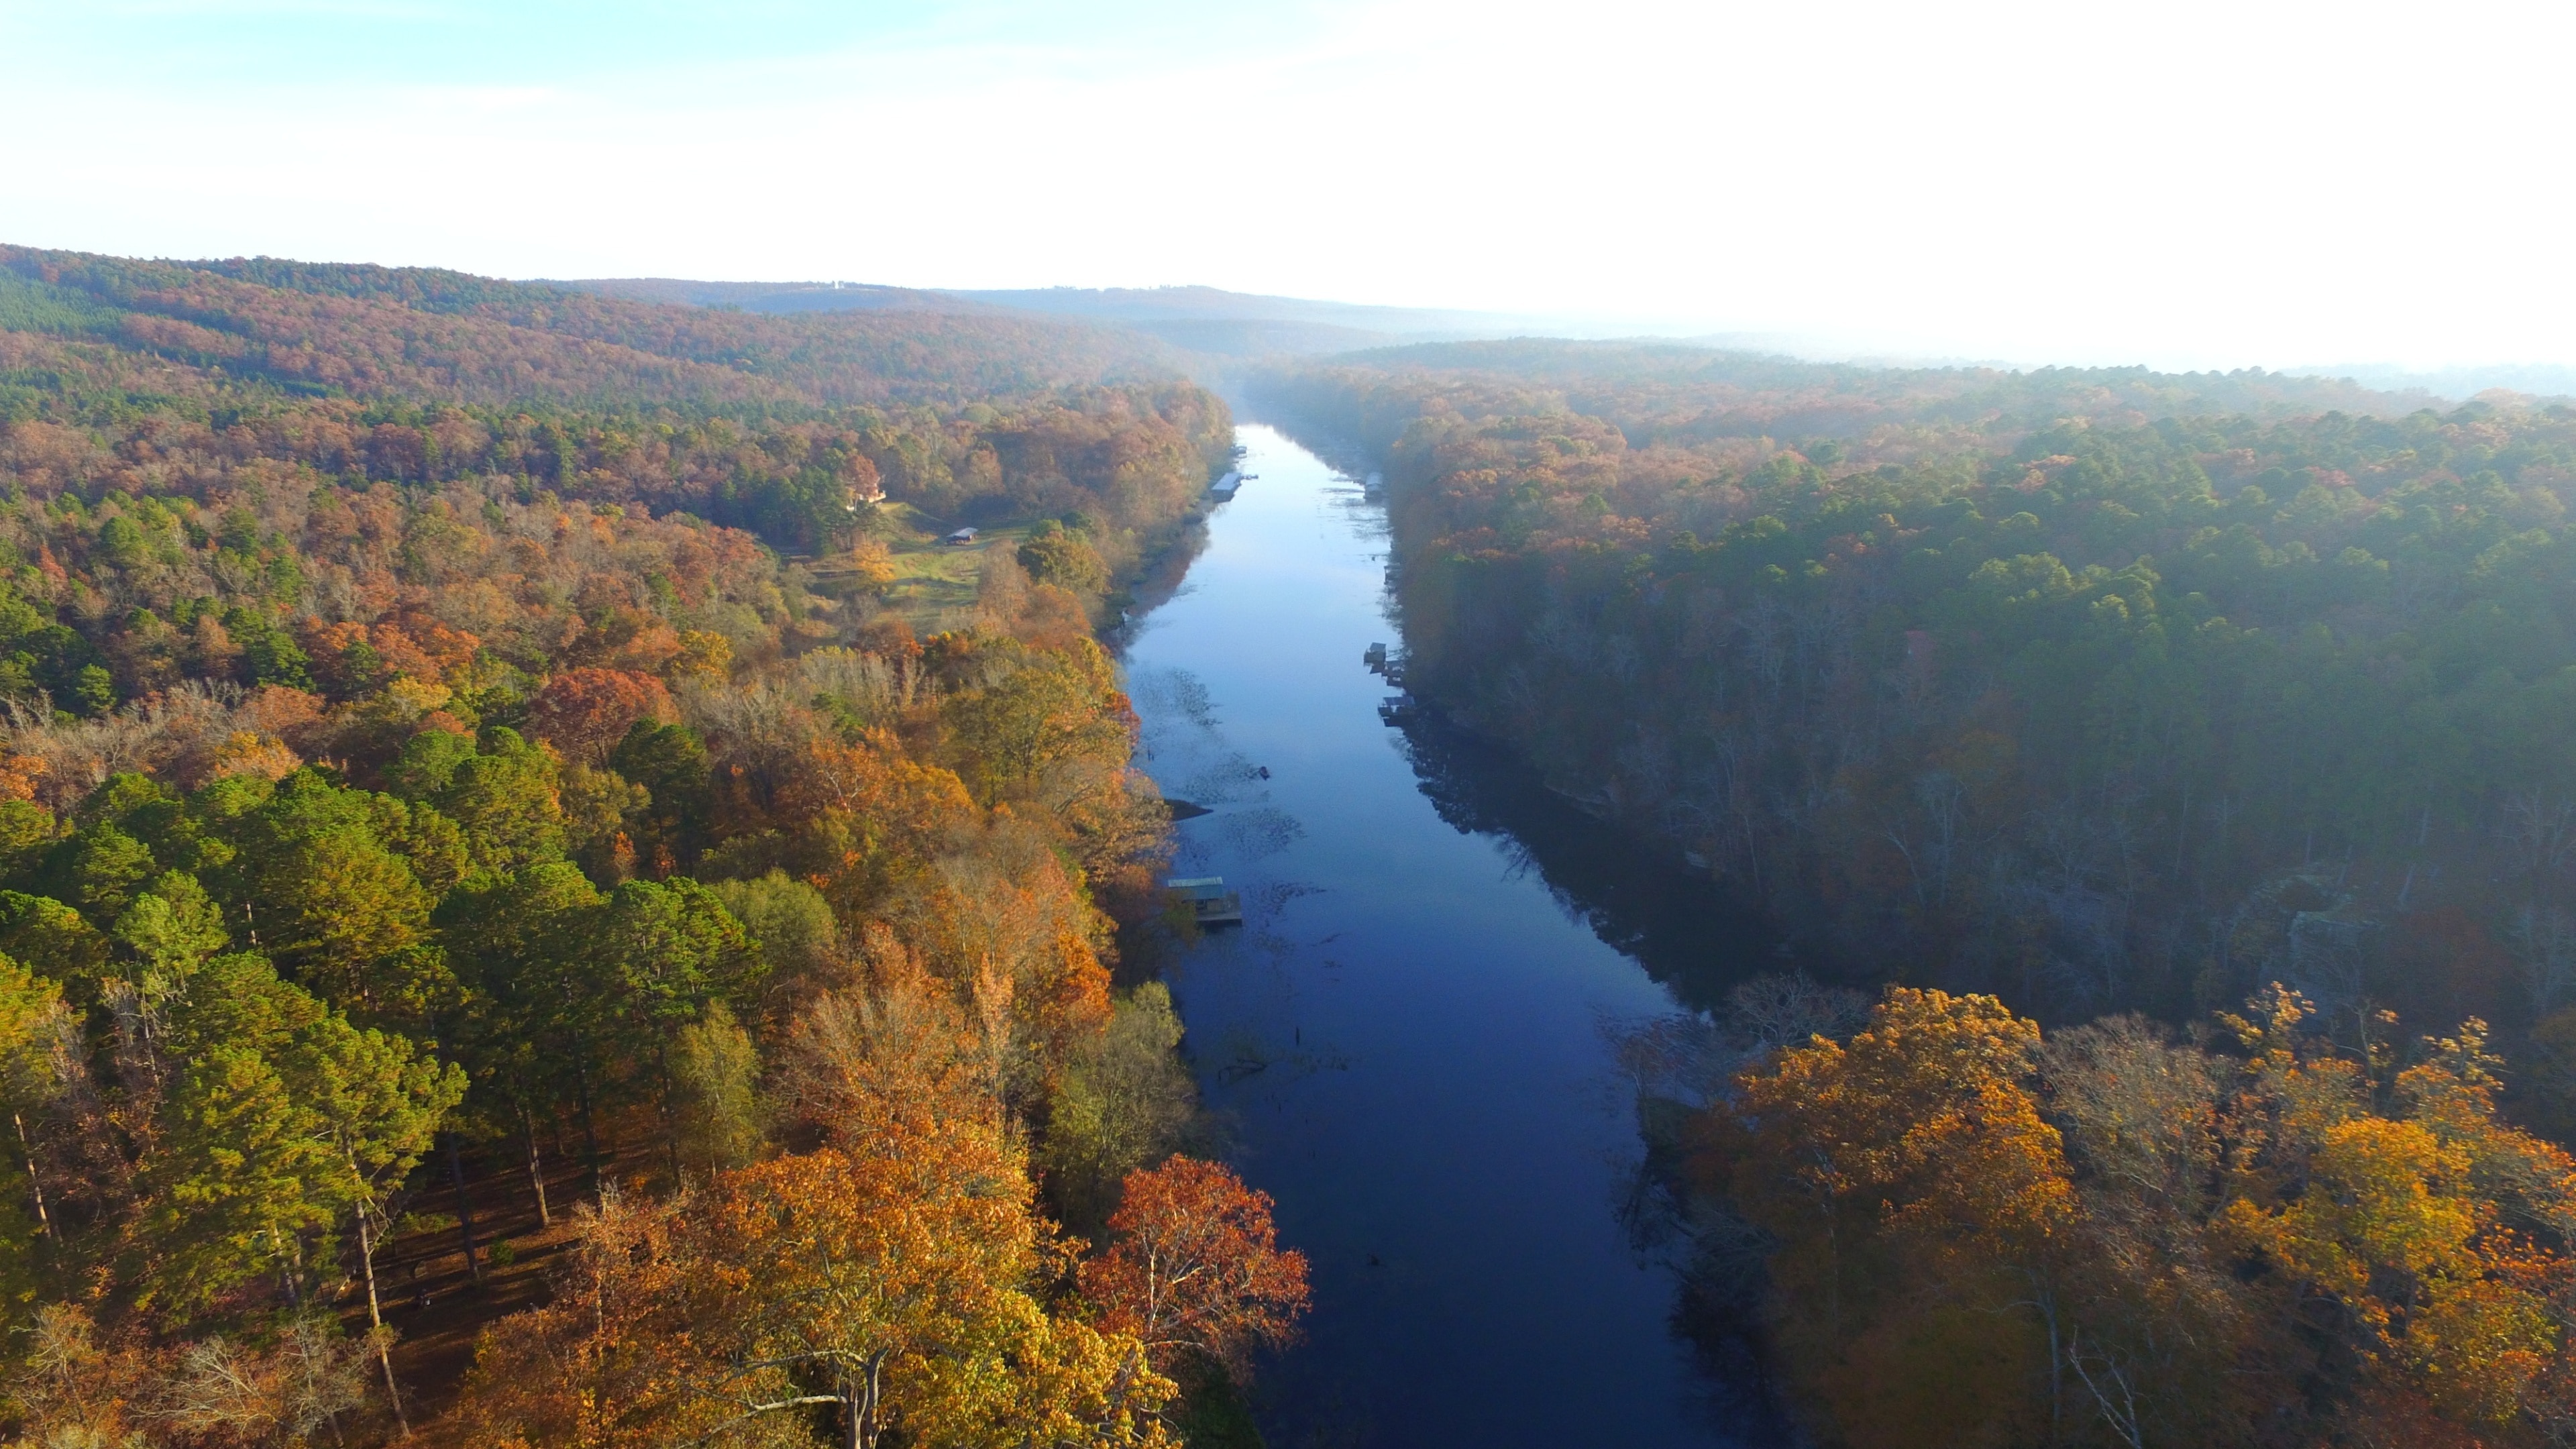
x=2257, y=182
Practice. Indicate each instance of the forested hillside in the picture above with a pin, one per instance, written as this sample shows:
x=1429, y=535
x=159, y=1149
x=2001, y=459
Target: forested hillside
x=2109, y=690
x=430, y=336
x=457, y=873
x=2093, y=692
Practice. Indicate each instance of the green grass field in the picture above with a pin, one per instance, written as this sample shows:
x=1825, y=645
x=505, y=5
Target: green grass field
x=935, y=582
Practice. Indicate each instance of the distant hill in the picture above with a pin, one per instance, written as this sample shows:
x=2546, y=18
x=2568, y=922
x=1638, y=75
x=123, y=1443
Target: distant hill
x=1209, y=304
x=2539, y=380
x=1238, y=337
x=774, y=297
x=1221, y=326
x=423, y=334
x=1205, y=320
x=1202, y=320
x=123, y=375
x=1683, y=395
x=1632, y=364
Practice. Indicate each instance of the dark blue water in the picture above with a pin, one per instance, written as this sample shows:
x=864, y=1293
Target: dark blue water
x=1410, y=1030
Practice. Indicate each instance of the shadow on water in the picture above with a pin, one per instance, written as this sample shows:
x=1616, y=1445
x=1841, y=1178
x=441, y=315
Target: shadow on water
x=1700, y=939
x=1692, y=933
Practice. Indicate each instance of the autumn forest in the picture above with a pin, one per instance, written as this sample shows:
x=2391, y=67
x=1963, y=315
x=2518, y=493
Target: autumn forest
x=577, y=869
x=519, y=931
x=2194, y=750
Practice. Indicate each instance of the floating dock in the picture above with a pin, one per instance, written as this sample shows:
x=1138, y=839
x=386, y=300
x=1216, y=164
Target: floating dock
x=1210, y=903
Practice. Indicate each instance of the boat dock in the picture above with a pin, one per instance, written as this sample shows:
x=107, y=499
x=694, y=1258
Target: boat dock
x=1210, y=903
x=1381, y=661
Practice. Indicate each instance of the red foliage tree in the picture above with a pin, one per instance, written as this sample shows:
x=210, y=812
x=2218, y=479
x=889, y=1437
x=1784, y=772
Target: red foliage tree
x=583, y=712
x=1195, y=1267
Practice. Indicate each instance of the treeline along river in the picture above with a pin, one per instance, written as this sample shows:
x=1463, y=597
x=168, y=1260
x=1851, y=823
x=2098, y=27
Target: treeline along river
x=1413, y=1033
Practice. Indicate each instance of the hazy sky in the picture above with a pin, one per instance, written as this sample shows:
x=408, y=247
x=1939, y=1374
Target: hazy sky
x=2189, y=183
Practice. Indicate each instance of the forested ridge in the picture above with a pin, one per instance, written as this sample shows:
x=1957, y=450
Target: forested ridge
x=2090, y=692
x=428, y=335
x=477, y=850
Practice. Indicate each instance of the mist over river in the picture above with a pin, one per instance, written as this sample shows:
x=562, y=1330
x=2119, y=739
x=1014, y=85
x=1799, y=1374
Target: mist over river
x=1412, y=1031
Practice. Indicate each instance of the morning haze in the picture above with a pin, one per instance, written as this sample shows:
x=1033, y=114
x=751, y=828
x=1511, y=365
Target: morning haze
x=1369, y=722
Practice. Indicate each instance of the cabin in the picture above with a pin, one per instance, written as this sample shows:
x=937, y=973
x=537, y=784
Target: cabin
x=1210, y=903
x=962, y=537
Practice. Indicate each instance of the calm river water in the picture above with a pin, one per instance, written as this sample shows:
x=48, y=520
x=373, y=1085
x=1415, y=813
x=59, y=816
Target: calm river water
x=1411, y=1030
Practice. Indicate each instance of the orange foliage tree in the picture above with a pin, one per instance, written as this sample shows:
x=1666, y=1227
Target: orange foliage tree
x=884, y=1297
x=1195, y=1268
x=583, y=712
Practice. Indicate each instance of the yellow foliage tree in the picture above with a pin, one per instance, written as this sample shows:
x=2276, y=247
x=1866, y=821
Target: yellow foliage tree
x=1910, y=1164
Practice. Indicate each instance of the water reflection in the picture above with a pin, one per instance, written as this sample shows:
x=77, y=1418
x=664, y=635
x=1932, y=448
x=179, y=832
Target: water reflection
x=1408, y=1031
x=1689, y=932
x=1705, y=942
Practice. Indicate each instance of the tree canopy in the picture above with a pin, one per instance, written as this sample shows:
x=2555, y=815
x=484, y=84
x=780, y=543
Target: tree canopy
x=432, y=757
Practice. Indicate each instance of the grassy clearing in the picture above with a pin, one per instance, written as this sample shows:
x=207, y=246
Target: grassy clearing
x=936, y=582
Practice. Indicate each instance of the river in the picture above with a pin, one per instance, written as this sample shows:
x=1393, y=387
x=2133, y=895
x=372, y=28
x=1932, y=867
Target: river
x=1411, y=1034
